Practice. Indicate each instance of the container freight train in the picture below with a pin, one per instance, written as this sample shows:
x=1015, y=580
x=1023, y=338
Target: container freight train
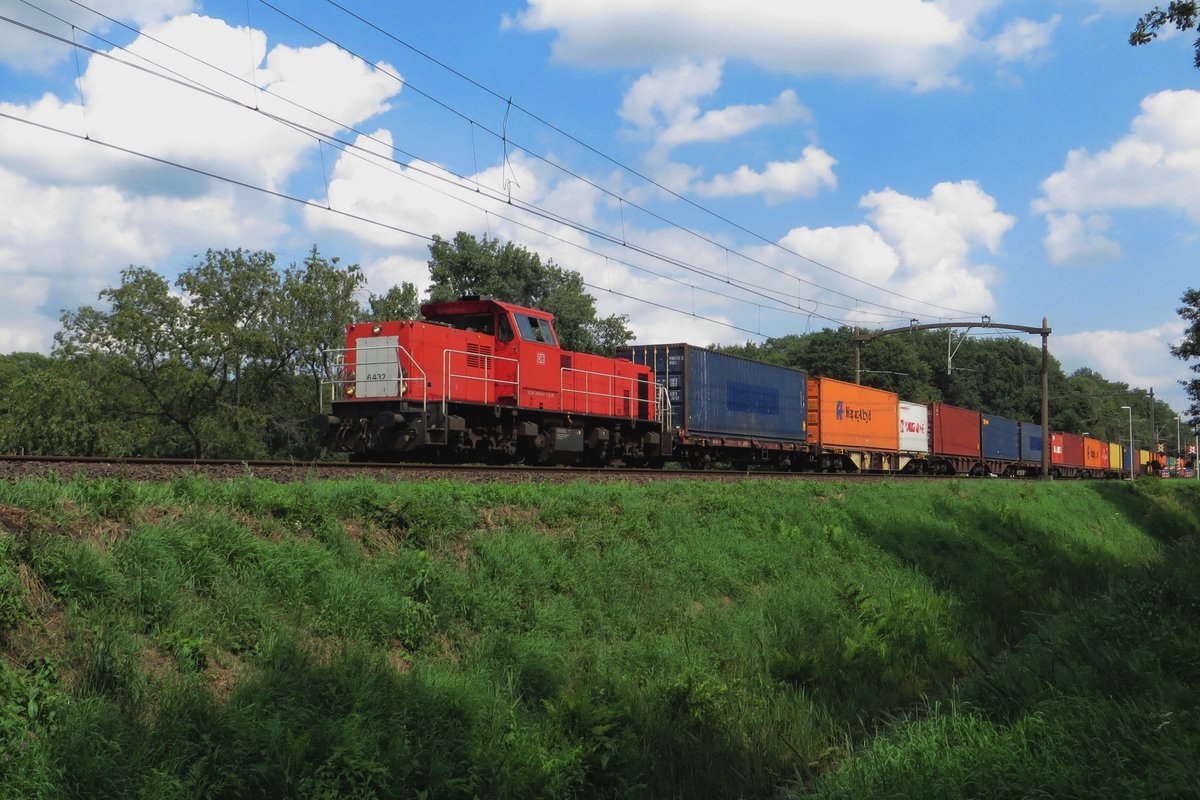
x=479, y=380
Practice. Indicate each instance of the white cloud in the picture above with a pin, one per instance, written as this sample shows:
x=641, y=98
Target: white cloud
x=779, y=181
x=857, y=250
x=23, y=49
x=941, y=228
x=921, y=248
x=906, y=41
x=1024, y=39
x=148, y=114
x=1140, y=358
x=668, y=94
x=115, y=229
x=77, y=212
x=419, y=197
x=664, y=105
x=60, y=245
x=723, y=124
x=935, y=238
x=1156, y=165
x=24, y=329
x=1072, y=239
x=393, y=270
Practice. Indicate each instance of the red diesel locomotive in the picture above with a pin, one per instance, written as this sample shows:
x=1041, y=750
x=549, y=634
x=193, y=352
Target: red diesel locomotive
x=483, y=380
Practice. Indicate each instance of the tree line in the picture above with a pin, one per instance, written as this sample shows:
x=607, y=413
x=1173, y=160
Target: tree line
x=225, y=362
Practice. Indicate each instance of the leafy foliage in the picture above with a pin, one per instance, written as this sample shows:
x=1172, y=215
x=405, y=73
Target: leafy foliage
x=1183, y=14
x=221, y=364
x=1189, y=347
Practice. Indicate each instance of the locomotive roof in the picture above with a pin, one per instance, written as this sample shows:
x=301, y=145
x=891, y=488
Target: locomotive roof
x=477, y=305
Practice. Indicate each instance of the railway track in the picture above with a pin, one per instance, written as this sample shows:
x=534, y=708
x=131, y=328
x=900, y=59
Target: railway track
x=14, y=468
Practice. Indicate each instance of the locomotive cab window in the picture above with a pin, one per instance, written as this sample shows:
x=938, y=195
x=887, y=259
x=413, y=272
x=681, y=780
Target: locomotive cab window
x=534, y=329
x=478, y=323
x=504, y=331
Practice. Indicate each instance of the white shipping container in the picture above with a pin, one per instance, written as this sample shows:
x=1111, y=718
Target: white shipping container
x=914, y=428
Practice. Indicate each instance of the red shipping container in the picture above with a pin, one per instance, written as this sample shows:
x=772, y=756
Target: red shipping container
x=955, y=431
x=1066, y=449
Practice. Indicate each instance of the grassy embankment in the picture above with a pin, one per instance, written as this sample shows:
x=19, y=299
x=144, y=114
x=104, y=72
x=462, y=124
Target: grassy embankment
x=696, y=640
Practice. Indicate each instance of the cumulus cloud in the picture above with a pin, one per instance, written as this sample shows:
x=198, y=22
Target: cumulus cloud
x=1156, y=165
x=417, y=197
x=780, y=180
x=25, y=49
x=1140, y=358
x=935, y=238
x=664, y=105
x=1024, y=39
x=668, y=94
x=1074, y=239
x=857, y=250
x=906, y=41
x=942, y=228
x=723, y=124
x=143, y=112
x=77, y=212
x=922, y=248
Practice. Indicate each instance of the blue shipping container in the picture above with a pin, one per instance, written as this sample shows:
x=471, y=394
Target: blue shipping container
x=1001, y=438
x=720, y=395
x=1031, y=442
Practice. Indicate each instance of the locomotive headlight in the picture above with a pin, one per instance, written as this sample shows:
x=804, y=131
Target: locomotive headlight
x=349, y=391
x=376, y=329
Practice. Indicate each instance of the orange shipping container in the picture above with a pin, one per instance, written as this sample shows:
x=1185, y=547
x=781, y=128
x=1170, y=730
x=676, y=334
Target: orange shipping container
x=1091, y=453
x=845, y=415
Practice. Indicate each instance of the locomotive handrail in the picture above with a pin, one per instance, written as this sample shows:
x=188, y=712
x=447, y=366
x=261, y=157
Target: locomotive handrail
x=588, y=393
x=403, y=378
x=448, y=376
x=662, y=403
x=663, y=414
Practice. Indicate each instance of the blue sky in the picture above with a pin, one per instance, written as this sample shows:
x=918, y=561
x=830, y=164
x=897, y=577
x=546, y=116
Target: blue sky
x=717, y=171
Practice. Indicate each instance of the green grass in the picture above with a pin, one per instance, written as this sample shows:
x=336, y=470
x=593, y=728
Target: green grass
x=358, y=639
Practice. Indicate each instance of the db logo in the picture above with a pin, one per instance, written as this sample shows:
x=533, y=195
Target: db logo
x=541, y=358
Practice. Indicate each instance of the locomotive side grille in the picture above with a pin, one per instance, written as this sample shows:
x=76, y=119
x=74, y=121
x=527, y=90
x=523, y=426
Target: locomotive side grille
x=478, y=358
x=566, y=361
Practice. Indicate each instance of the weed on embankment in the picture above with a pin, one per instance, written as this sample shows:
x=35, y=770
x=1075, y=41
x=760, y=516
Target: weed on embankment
x=360, y=639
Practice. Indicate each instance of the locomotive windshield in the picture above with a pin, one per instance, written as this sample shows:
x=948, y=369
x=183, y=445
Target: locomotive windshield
x=534, y=329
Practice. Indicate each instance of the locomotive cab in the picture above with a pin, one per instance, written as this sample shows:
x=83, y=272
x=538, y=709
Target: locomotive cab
x=484, y=380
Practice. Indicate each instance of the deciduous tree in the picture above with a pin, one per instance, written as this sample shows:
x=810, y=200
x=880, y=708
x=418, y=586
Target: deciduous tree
x=226, y=363
x=1188, y=348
